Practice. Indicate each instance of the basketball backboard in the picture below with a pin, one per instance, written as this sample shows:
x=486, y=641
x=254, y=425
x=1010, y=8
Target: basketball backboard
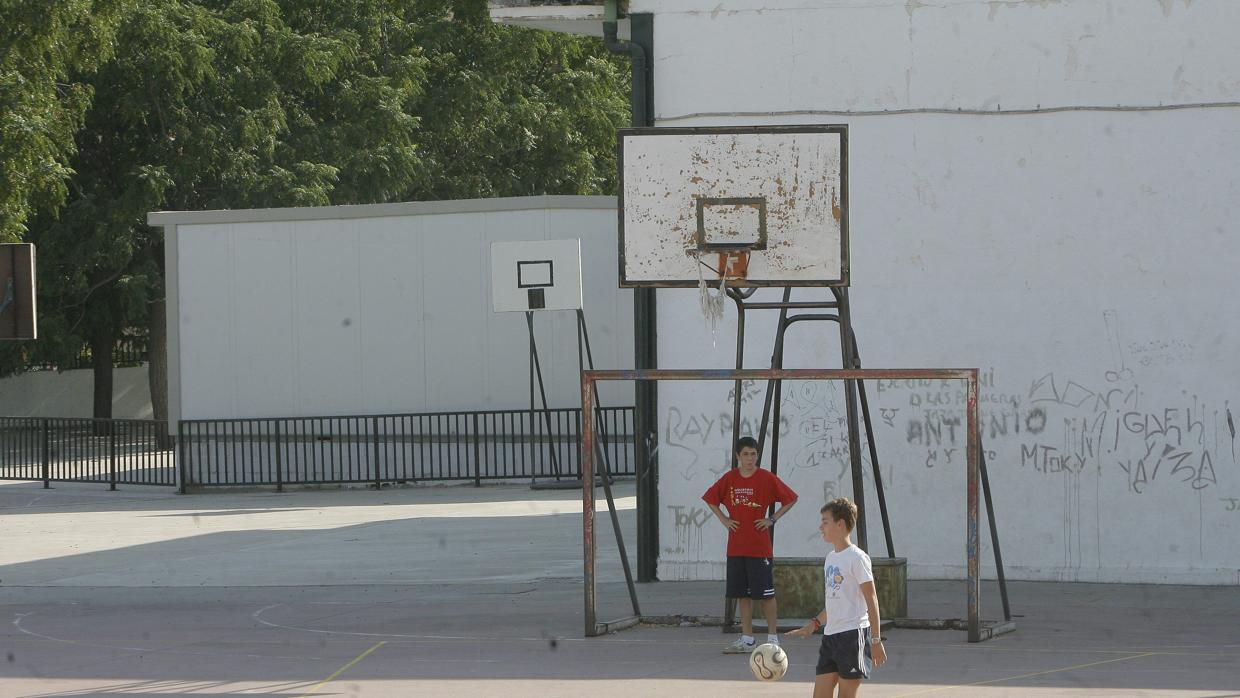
x=536, y=275
x=761, y=205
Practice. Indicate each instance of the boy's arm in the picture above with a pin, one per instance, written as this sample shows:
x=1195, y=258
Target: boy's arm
x=727, y=522
x=814, y=625
x=763, y=524
x=877, y=651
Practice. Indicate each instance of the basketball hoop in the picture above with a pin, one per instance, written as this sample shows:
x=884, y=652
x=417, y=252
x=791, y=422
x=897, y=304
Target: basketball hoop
x=734, y=265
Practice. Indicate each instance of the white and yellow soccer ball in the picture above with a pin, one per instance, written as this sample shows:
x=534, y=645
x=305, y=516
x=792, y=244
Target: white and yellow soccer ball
x=768, y=662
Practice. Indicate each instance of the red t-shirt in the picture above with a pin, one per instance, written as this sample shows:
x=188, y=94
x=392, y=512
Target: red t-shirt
x=746, y=500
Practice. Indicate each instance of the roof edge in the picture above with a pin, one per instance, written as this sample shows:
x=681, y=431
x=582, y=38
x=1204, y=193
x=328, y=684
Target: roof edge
x=407, y=208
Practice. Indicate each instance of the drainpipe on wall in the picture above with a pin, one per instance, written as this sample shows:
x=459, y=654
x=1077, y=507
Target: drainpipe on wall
x=645, y=347
x=637, y=54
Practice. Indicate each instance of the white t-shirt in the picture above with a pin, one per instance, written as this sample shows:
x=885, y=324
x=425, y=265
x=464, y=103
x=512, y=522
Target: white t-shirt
x=843, y=574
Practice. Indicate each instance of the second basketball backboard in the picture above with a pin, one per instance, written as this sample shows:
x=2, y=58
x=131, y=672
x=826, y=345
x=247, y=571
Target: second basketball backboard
x=760, y=205
x=536, y=275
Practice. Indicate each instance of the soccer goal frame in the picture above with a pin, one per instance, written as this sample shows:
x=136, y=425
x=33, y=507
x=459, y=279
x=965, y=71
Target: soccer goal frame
x=589, y=444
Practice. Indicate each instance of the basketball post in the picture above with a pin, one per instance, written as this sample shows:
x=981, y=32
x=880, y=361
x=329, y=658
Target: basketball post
x=849, y=358
x=536, y=371
x=545, y=275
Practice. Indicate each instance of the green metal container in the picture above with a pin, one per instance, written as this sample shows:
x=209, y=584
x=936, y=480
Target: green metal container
x=799, y=586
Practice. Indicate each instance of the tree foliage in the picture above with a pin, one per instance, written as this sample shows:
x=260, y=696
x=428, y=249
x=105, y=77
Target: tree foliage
x=47, y=47
x=515, y=112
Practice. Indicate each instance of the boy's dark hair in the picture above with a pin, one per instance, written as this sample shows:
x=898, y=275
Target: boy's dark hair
x=841, y=509
x=745, y=442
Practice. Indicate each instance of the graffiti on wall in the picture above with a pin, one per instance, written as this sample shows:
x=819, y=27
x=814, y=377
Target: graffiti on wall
x=1062, y=425
x=688, y=523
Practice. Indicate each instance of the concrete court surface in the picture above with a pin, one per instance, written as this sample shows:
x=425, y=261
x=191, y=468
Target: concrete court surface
x=458, y=591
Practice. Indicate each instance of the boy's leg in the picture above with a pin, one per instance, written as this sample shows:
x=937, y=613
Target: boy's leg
x=746, y=605
x=843, y=660
x=738, y=588
x=771, y=611
x=824, y=685
x=848, y=687
x=853, y=661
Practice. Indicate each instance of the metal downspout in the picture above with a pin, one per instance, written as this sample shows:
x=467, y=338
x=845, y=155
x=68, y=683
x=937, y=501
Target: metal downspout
x=645, y=349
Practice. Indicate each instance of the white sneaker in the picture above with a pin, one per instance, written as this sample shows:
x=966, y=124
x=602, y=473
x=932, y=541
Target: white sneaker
x=740, y=647
x=772, y=640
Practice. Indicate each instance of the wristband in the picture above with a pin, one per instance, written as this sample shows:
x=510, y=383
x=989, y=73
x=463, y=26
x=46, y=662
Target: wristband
x=817, y=623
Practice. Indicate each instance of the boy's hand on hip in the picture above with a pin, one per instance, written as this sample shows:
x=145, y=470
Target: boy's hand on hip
x=763, y=524
x=730, y=524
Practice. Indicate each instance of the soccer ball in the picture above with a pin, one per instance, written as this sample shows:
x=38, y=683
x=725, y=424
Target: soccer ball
x=768, y=662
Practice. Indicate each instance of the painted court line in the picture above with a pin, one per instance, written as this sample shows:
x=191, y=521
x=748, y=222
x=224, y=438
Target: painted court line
x=21, y=618
x=344, y=668
x=257, y=617
x=1025, y=676
x=409, y=637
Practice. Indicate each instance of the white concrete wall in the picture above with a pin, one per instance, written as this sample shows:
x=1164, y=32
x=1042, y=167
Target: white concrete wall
x=1083, y=256
x=384, y=310
x=71, y=394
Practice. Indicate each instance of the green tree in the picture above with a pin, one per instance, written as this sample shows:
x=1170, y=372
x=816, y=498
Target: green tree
x=46, y=48
x=518, y=112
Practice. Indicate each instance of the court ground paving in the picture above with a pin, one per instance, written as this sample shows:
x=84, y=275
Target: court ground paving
x=462, y=591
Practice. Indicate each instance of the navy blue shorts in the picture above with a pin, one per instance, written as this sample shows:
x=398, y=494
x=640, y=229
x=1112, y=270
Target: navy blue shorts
x=846, y=654
x=750, y=578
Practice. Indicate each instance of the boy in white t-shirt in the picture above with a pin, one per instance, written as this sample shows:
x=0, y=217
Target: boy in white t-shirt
x=848, y=652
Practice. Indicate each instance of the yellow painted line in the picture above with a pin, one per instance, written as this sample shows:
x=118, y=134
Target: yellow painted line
x=1026, y=676
x=344, y=668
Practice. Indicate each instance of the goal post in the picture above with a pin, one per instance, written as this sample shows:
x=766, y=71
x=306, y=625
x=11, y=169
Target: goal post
x=589, y=444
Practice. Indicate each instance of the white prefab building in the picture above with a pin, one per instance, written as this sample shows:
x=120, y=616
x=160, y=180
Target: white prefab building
x=378, y=309
x=1047, y=191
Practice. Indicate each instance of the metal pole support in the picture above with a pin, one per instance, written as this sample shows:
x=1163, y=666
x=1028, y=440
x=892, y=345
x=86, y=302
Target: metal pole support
x=182, y=460
x=47, y=456
x=279, y=460
x=112, y=455
x=974, y=584
x=374, y=437
x=477, y=454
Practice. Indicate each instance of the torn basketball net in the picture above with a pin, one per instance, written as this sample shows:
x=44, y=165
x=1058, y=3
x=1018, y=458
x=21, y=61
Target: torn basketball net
x=732, y=265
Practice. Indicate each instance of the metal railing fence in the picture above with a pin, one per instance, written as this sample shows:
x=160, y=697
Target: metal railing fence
x=71, y=449
x=477, y=446
x=436, y=446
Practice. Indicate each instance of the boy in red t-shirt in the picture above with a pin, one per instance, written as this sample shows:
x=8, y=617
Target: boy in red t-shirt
x=747, y=492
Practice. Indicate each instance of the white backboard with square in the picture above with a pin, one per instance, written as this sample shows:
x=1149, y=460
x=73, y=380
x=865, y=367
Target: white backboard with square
x=764, y=205
x=536, y=275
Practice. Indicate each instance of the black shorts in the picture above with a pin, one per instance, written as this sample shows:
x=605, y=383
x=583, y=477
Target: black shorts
x=846, y=654
x=750, y=578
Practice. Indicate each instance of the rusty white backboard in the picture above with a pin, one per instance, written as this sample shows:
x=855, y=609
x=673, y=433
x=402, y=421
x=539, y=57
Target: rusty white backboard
x=688, y=189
